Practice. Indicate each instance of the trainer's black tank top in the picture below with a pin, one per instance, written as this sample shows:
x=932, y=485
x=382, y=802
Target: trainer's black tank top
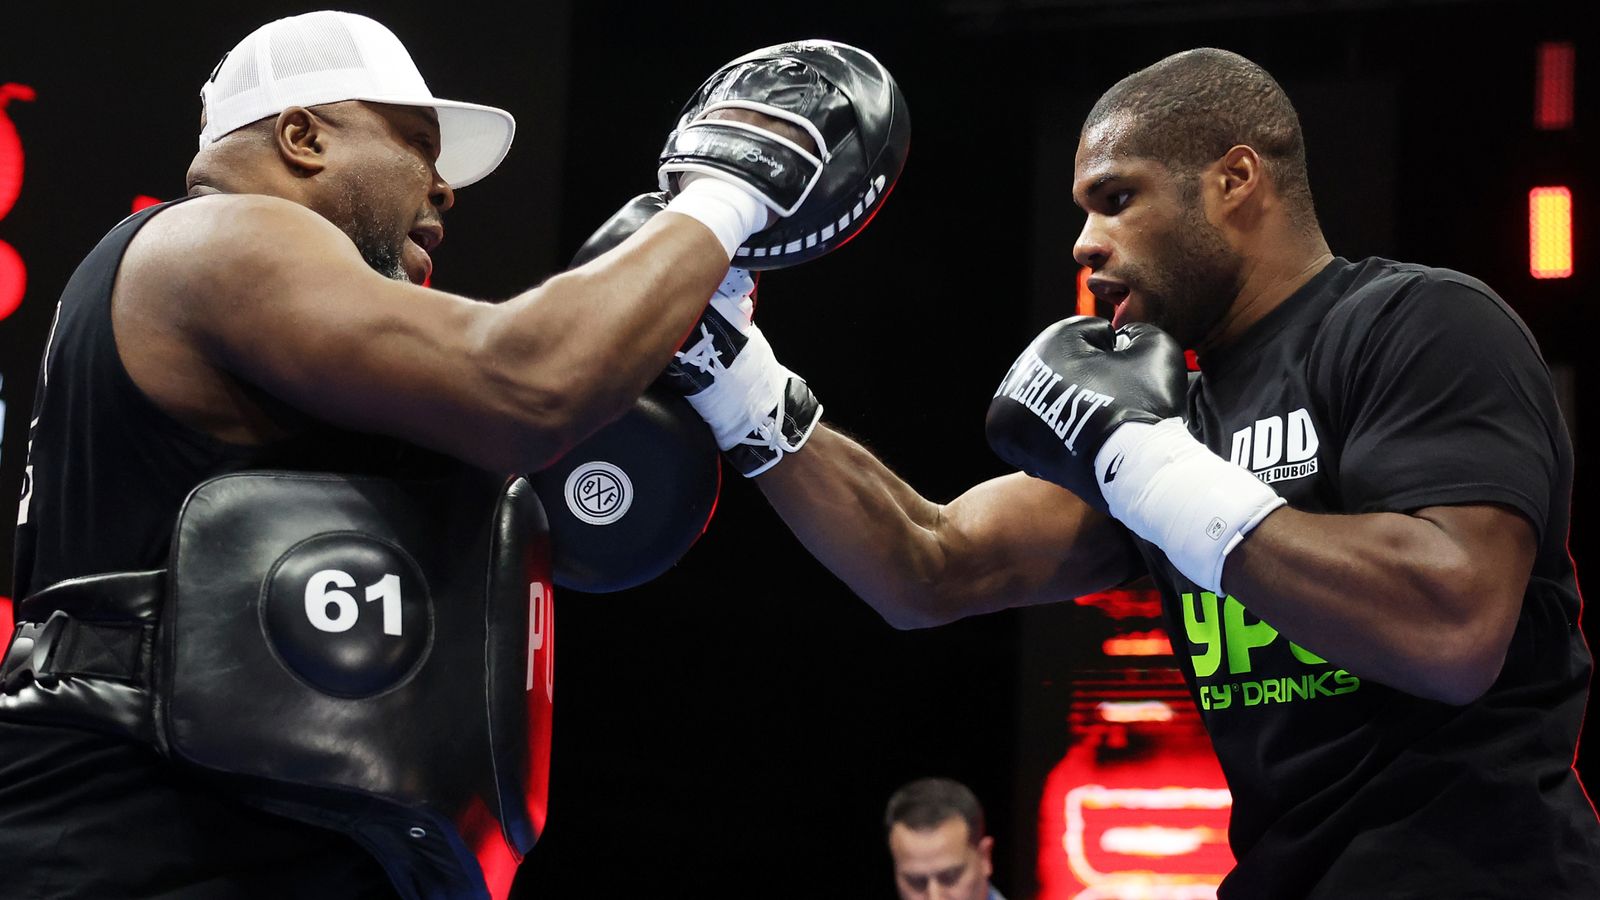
x=107, y=469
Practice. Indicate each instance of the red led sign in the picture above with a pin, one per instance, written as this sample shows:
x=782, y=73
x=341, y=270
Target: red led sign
x=13, y=275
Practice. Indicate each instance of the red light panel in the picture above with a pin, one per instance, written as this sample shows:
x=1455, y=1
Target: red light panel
x=10, y=147
x=1120, y=605
x=1550, y=232
x=1085, y=299
x=1139, y=643
x=13, y=274
x=1149, y=827
x=145, y=201
x=1126, y=712
x=13, y=280
x=1552, y=101
x=1137, y=808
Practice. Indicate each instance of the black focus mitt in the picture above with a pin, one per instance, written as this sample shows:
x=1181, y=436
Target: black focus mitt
x=849, y=105
x=630, y=500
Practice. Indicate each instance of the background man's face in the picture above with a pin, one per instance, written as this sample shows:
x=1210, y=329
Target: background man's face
x=941, y=863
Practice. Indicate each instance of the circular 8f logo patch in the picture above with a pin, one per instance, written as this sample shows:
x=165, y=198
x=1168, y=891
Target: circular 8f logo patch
x=598, y=492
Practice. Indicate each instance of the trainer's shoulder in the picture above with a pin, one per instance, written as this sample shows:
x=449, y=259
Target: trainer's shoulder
x=235, y=223
x=223, y=238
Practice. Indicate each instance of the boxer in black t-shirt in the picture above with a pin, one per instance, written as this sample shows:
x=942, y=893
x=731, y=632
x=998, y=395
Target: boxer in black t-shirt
x=1356, y=514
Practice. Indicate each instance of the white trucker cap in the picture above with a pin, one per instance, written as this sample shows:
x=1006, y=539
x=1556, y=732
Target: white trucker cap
x=328, y=57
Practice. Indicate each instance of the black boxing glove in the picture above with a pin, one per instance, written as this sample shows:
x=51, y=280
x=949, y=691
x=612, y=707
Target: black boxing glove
x=1097, y=412
x=1074, y=385
x=758, y=410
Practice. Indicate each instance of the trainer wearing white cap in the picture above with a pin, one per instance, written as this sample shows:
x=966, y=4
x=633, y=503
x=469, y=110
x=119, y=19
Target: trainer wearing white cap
x=328, y=57
x=277, y=317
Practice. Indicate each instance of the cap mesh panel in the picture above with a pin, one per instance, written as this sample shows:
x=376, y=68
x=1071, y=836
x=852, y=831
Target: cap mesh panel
x=239, y=71
x=331, y=47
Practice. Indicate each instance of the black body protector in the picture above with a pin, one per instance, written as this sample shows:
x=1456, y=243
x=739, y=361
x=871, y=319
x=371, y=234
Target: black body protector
x=371, y=655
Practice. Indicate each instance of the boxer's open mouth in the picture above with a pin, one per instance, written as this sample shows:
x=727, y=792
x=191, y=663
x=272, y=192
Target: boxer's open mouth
x=1119, y=312
x=1112, y=293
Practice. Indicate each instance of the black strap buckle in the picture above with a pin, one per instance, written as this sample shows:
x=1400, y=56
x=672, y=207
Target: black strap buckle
x=27, y=659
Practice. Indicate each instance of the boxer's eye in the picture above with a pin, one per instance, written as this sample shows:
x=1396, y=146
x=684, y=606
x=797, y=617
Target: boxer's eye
x=1119, y=200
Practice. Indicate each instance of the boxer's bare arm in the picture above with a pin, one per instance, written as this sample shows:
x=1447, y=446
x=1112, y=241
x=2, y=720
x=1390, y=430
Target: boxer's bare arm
x=1011, y=541
x=1426, y=602
x=267, y=292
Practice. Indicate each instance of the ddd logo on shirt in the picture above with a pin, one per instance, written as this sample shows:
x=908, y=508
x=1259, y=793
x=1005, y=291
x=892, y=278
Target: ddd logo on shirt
x=1223, y=632
x=1277, y=448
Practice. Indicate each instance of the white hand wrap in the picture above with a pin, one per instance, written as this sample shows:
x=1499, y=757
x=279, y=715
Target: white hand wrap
x=732, y=211
x=745, y=393
x=748, y=403
x=1169, y=489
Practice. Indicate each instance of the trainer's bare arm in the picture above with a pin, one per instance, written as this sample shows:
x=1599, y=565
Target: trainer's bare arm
x=228, y=293
x=1011, y=541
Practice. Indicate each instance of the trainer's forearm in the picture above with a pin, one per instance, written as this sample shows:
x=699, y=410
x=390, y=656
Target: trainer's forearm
x=576, y=351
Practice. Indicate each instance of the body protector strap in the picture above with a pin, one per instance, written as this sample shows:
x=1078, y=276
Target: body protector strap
x=364, y=654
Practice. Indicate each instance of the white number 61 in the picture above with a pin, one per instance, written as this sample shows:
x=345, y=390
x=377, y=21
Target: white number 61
x=323, y=598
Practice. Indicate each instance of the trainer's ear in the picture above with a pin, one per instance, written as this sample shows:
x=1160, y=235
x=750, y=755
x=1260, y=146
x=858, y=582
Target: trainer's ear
x=301, y=139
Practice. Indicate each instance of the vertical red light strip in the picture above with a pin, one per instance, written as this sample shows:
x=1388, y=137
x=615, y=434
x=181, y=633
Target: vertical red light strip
x=1550, y=232
x=1553, y=86
x=1085, y=298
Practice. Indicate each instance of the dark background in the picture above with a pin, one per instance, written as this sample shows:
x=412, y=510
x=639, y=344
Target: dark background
x=734, y=728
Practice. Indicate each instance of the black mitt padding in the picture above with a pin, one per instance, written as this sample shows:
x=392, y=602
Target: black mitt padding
x=841, y=96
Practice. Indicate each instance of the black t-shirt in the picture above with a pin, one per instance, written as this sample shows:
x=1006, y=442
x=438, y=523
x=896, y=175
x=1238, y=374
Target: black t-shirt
x=1381, y=386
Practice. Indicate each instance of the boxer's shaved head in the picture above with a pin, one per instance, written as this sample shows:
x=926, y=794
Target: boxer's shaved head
x=1188, y=109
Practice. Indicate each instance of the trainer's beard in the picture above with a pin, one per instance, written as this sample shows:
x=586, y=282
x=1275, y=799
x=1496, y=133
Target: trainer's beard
x=378, y=246
x=381, y=251
x=383, y=257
